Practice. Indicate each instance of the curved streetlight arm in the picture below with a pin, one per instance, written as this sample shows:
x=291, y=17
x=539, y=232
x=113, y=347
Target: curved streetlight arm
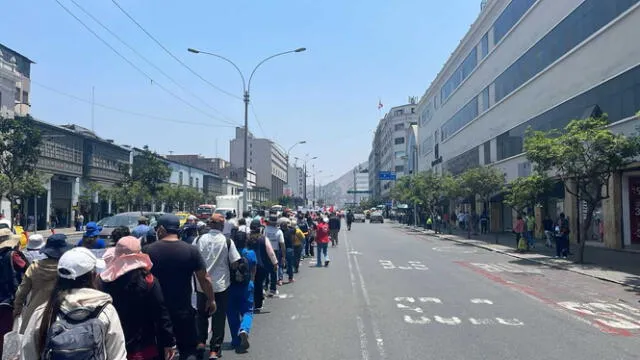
x=244, y=83
x=267, y=59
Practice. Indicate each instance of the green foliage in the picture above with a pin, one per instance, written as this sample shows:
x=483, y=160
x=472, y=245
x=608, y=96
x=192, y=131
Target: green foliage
x=426, y=189
x=527, y=191
x=586, y=153
x=483, y=181
x=142, y=182
x=20, y=142
x=369, y=203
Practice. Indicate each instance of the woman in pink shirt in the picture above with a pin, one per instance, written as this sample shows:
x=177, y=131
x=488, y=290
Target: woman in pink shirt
x=322, y=241
x=518, y=228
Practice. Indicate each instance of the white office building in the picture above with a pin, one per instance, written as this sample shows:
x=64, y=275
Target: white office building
x=538, y=64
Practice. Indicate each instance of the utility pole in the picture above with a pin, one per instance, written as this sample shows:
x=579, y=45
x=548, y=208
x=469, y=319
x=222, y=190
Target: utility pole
x=354, y=187
x=313, y=170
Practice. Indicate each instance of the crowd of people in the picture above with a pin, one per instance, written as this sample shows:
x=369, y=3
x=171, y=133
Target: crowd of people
x=135, y=299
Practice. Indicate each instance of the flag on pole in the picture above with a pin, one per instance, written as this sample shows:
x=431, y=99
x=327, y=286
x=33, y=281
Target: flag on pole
x=380, y=106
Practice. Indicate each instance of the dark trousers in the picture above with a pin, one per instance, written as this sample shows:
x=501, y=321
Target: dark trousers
x=185, y=331
x=297, y=254
x=258, y=295
x=562, y=245
x=334, y=236
x=217, y=320
x=483, y=227
x=291, y=262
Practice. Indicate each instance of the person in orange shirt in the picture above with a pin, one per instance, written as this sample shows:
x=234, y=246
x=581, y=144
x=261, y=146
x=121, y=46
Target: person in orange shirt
x=322, y=241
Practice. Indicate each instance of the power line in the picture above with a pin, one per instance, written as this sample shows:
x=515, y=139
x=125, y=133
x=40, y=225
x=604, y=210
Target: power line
x=125, y=111
x=171, y=54
x=253, y=111
x=147, y=60
x=132, y=64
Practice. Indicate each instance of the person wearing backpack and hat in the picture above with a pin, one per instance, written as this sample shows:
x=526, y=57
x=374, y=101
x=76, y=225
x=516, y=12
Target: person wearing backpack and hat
x=137, y=297
x=12, y=267
x=78, y=321
x=34, y=244
x=219, y=254
x=40, y=278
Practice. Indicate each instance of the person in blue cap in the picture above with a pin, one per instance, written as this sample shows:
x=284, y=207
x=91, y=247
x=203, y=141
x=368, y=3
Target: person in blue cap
x=91, y=239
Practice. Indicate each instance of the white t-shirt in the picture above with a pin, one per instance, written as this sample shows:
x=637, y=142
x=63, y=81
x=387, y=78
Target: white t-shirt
x=275, y=236
x=213, y=248
x=229, y=225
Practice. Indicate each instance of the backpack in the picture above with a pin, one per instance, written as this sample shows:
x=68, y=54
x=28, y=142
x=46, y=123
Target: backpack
x=241, y=274
x=70, y=339
x=10, y=279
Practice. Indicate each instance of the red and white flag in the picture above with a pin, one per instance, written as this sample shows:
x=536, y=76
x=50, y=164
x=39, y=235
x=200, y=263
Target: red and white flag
x=380, y=106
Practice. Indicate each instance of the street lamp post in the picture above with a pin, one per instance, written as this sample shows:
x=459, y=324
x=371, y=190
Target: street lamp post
x=246, y=87
x=289, y=152
x=306, y=160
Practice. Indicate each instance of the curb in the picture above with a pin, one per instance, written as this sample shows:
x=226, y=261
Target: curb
x=557, y=266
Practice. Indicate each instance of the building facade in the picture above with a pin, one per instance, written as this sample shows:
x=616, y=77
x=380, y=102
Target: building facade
x=15, y=81
x=214, y=165
x=295, y=184
x=266, y=158
x=538, y=64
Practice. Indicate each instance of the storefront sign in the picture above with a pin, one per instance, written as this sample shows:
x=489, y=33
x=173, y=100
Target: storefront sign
x=634, y=204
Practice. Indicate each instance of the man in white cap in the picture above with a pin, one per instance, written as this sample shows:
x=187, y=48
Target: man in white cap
x=34, y=244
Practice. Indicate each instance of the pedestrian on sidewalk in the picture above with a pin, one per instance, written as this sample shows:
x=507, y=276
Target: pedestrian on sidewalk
x=322, y=241
x=484, y=222
x=562, y=237
x=219, y=254
x=40, y=278
x=230, y=225
x=275, y=236
x=241, y=293
x=303, y=224
x=518, y=229
x=547, y=225
x=298, y=241
x=289, y=236
x=138, y=299
x=77, y=321
x=334, y=229
x=266, y=261
x=174, y=264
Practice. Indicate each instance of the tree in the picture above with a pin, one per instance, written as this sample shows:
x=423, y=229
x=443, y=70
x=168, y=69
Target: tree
x=142, y=182
x=483, y=182
x=20, y=142
x=87, y=194
x=584, y=155
x=527, y=191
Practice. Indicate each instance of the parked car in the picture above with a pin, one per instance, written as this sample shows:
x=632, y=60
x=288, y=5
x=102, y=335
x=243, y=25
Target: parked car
x=376, y=217
x=359, y=217
x=128, y=219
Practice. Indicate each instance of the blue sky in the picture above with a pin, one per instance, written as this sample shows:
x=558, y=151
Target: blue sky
x=358, y=52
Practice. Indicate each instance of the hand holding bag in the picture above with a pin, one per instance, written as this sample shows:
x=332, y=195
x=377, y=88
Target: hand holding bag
x=12, y=347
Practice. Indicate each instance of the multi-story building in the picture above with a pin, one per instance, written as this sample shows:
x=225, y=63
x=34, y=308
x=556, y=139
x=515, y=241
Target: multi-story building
x=389, y=147
x=214, y=165
x=295, y=184
x=15, y=81
x=537, y=64
x=411, y=164
x=266, y=158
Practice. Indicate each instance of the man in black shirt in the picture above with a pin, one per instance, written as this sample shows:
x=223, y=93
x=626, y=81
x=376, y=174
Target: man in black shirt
x=334, y=228
x=174, y=264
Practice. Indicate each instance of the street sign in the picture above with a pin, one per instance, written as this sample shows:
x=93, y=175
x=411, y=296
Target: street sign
x=386, y=175
x=389, y=203
x=358, y=191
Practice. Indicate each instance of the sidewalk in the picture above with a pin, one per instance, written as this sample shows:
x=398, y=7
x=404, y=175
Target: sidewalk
x=67, y=231
x=618, y=266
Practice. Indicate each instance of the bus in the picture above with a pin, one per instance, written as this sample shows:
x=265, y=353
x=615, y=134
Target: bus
x=204, y=212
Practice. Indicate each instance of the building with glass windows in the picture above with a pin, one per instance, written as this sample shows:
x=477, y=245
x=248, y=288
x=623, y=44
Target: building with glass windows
x=538, y=64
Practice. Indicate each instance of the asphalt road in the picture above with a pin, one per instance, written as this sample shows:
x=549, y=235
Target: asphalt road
x=393, y=294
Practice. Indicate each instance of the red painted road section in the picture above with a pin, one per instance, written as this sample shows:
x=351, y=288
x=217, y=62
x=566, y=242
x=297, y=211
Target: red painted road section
x=573, y=294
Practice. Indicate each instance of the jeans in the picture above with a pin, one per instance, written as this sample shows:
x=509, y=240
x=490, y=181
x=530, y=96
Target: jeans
x=217, y=320
x=185, y=331
x=297, y=255
x=483, y=227
x=240, y=310
x=322, y=249
x=273, y=275
x=291, y=263
x=334, y=236
x=258, y=295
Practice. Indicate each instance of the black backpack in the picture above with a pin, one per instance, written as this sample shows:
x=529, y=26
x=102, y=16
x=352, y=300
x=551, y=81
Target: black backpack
x=10, y=278
x=240, y=273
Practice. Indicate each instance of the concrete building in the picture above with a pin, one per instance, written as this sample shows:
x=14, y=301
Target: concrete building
x=538, y=64
x=214, y=165
x=411, y=163
x=266, y=158
x=295, y=184
x=15, y=81
x=389, y=147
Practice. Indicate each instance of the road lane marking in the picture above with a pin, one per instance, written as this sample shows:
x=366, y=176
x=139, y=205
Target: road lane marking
x=448, y=321
x=511, y=322
x=405, y=307
x=475, y=321
x=363, y=338
x=454, y=249
x=609, y=315
x=498, y=268
x=430, y=299
x=403, y=298
x=413, y=265
x=421, y=321
x=481, y=301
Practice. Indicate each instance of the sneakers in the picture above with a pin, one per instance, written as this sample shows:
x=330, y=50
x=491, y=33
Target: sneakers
x=244, y=341
x=214, y=355
x=326, y=263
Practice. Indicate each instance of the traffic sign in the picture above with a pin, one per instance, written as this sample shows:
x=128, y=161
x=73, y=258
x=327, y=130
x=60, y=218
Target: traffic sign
x=358, y=191
x=389, y=203
x=386, y=175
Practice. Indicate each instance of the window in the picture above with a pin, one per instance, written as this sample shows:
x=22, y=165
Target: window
x=400, y=154
x=413, y=110
x=509, y=17
x=485, y=99
x=487, y=152
x=585, y=20
x=460, y=119
x=197, y=183
x=464, y=161
x=462, y=72
x=398, y=112
x=180, y=178
x=17, y=96
x=398, y=127
x=399, y=168
x=399, y=141
x=484, y=46
x=25, y=97
x=619, y=98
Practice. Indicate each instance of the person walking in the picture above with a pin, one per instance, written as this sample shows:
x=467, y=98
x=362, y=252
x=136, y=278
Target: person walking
x=547, y=225
x=241, y=292
x=349, y=218
x=519, y=229
x=334, y=229
x=531, y=231
x=138, y=299
x=13, y=265
x=174, y=264
x=303, y=225
x=289, y=235
x=562, y=237
x=275, y=236
x=298, y=243
x=144, y=232
x=75, y=307
x=40, y=278
x=90, y=238
x=322, y=241
x=266, y=261
x=230, y=225
x=219, y=254
x=32, y=252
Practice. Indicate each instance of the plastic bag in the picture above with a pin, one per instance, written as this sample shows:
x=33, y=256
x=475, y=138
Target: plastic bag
x=12, y=347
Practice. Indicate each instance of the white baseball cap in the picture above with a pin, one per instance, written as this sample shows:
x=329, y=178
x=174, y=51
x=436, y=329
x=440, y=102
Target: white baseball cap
x=77, y=262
